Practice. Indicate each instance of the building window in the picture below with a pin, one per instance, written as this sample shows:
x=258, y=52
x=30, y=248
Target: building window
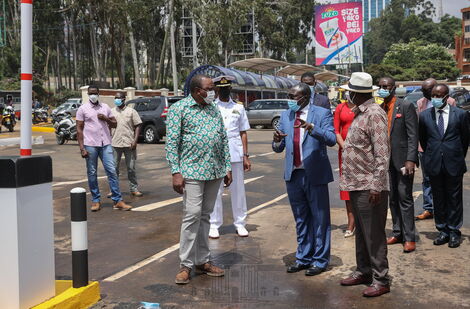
x=466, y=55
x=466, y=15
x=467, y=28
x=467, y=41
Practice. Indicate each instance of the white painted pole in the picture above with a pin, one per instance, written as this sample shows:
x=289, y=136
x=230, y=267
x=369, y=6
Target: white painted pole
x=26, y=75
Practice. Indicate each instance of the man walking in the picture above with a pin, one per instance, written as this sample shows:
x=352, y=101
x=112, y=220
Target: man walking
x=125, y=137
x=304, y=132
x=424, y=104
x=403, y=132
x=315, y=98
x=444, y=135
x=236, y=124
x=94, y=138
x=366, y=155
x=199, y=158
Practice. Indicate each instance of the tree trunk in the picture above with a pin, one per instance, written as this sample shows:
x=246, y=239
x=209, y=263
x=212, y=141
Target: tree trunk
x=135, y=60
x=59, y=76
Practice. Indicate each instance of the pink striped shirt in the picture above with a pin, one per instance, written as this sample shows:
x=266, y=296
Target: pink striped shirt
x=95, y=132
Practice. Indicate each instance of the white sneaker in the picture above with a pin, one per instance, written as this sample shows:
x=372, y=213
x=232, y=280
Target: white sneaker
x=242, y=232
x=214, y=233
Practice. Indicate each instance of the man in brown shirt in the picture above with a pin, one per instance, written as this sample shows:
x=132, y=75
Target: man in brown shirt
x=366, y=155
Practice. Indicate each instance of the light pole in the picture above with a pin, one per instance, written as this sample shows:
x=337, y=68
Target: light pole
x=26, y=75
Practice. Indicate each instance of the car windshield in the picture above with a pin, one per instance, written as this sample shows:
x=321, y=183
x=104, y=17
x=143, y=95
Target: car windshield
x=72, y=101
x=413, y=97
x=65, y=105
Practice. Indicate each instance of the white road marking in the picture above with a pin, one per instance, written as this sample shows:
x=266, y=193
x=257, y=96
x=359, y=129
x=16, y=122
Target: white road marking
x=337, y=169
x=143, y=263
x=141, y=154
x=263, y=154
x=277, y=199
x=161, y=204
x=173, y=248
x=43, y=153
x=74, y=181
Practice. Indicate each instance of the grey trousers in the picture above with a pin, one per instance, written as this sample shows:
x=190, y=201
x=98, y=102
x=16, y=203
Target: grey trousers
x=371, y=242
x=198, y=203
x=130, y=157
x=402, y=205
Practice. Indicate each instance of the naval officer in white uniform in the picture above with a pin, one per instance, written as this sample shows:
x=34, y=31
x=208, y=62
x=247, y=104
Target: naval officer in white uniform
x=236, y=124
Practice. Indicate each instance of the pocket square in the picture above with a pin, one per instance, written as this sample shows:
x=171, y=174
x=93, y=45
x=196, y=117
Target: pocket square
x=398, y=116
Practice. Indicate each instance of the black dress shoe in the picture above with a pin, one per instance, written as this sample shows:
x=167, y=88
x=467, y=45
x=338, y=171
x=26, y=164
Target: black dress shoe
x=441, y=239
x=314, y=270
x=454, y=241
x=297, y=267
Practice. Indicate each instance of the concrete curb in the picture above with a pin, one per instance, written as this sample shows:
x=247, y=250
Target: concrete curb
x=67, y=297
x=43, y=129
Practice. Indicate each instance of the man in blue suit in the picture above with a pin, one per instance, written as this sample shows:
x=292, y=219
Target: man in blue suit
x=444, y=136
x=315, y=98
x=304, y=132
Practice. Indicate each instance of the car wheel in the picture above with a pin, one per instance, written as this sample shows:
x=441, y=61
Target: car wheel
x=275, y=122
x=150, y=134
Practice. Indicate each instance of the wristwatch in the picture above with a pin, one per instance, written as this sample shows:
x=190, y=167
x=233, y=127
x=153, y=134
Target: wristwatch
x=246, y=155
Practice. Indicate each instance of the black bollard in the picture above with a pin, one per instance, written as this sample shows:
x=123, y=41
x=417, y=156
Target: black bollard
x=79, y=237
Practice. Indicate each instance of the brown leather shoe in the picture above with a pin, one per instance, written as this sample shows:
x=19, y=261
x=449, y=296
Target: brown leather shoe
x=137, y=193
x=211, y=270
x=409, y=246
x=424, y=215
x=183, y=276
x=95, y=206
x=375, y=290
x=122, y=206
x=393, y=240
x=356, y=279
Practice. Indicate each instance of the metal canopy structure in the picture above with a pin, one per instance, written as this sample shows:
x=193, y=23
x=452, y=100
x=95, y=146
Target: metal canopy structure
x=259, y=64
x=298, y=69
x=243, y=79
x=327, y=75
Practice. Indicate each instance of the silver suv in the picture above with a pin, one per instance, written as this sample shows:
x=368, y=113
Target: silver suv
x=266, y=112
x=70, y=106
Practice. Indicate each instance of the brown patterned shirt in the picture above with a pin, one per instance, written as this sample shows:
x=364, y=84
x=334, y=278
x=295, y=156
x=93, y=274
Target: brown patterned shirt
x=366, y=152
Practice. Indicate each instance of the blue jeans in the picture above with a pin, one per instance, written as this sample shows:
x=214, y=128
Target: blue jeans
x=427, y=194
x=105, y=153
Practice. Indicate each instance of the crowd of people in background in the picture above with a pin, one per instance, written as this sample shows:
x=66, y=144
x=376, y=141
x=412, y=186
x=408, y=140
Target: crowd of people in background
x=379, y=148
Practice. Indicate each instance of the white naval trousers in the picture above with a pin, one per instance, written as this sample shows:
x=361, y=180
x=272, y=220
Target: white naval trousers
x=238, y=197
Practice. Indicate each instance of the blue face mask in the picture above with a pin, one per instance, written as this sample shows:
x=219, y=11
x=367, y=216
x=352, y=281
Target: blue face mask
x=293, y=105
x=118, y=102
x=437, y=102
x=383, y=93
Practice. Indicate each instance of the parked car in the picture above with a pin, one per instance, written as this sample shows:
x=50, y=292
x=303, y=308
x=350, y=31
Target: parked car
x=153, y=112
x=266, y=112
x=414, y=96
x=71, y=106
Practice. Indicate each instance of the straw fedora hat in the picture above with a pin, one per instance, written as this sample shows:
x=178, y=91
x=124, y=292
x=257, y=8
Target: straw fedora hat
x=360, y=82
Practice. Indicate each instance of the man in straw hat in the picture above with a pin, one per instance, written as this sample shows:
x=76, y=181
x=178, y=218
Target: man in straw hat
x=366, y=155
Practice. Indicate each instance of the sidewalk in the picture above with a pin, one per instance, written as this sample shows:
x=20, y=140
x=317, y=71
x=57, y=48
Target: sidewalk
x=431, y=277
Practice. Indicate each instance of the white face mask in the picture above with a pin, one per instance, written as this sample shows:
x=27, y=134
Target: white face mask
x=94, y=98
x=210, y=97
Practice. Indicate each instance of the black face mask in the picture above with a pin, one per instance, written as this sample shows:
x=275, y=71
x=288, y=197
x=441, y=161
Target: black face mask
x=224, y=92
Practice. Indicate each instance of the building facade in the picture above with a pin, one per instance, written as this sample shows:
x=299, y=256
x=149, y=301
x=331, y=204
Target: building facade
x=462, y=44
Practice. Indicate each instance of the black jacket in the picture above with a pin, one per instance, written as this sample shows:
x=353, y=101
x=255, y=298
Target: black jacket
x=448, y=151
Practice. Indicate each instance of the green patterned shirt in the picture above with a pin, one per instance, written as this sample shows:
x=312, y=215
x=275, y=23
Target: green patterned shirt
x=197, y=144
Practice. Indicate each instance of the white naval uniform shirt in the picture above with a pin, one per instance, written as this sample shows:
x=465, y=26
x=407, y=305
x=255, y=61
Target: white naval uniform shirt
x=445, y=116
x=235, y=121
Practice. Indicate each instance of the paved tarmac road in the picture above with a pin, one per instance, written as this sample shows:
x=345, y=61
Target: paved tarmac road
x=134, y=254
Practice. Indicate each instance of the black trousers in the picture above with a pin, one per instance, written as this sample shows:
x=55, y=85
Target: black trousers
x=448, y=204
x=371, y=242
x=402, y=205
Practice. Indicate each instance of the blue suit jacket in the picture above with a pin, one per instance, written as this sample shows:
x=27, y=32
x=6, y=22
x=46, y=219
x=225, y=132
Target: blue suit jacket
x=446, y=151
x=315, y=158
x=320, y=100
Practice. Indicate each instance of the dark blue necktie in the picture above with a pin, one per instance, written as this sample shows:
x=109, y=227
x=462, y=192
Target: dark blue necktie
x=440, y=122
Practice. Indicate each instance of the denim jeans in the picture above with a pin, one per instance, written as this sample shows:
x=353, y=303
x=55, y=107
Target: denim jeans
x=105, y=153
x=130, y=157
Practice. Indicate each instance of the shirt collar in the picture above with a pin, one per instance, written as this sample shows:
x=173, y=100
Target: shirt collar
x=363, y=107
x=94, y=105
x=446, y=109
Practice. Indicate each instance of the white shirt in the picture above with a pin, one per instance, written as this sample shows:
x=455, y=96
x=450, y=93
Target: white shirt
x=304, y=117
x=445, y=116
x=235, y=121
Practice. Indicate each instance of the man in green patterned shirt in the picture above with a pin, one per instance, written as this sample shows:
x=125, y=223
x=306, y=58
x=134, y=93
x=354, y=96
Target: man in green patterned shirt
x=199, y=158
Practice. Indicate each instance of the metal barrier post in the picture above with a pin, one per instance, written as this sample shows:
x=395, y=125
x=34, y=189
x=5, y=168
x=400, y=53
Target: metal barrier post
x=79, y=237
